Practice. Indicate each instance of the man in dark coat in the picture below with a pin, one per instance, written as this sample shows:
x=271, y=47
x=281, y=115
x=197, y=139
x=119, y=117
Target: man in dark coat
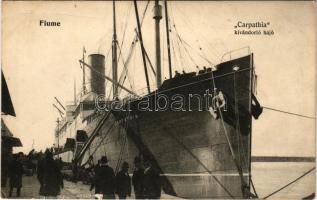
x=59, y=163
x=15, y=174
x=97, y=190
x=104, y=180
x=52, y=176
x=123, y=182
x=137, y=178
x=151, y=181
x=40, y=170
x=75, y=171
x=5, y=162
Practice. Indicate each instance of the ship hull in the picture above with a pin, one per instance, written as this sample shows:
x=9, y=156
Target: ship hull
x=189, y=148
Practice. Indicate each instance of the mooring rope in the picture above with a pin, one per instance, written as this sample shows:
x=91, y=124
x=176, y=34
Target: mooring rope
x=267, y=196
x=290, y=113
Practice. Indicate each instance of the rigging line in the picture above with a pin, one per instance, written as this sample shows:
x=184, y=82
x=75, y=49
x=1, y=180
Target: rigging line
x=125, y=139
x=120, y=154
x=252, y=184
x=239, y=169
x=237, y=116
x=198, y=35
x=107, y=56
x=103, y=138
x=126, y=24
x=126, y=136
x=244, y=161
x=147, y=56
x=172, y=21
x=132, y=47
x=290, y=113
x=123, y=74
x=238, y=130
x=180, y=41
x=176, y=64
x=202, y=56
x=141, y=45
x=180, y=53
x=122, y=143
x=198, y=160
x=124, y=32
x=289, y=183
x=186, y=51
x=125, y=67
x=92, y=136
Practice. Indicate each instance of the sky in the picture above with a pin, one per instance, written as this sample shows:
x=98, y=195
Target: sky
x=41, y=63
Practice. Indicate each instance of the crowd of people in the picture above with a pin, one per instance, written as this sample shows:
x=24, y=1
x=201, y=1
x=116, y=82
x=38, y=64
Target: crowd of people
x=145, y=179
x=13, y=166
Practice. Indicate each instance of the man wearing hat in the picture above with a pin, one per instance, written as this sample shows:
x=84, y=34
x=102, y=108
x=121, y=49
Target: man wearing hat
x=104, y=179
x=137, y=178
x=123, y=182
x=52, y=180
x=151, y=181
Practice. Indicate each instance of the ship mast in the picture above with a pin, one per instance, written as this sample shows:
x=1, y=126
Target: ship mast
x=84, y=82
x=157, y=17
x=114, y=54
x=139, y=34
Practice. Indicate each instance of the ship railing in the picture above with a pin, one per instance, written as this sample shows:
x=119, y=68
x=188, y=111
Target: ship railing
x=236, y=53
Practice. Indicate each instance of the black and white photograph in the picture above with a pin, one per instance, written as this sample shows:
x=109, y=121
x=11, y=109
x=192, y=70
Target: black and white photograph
x=158, y=99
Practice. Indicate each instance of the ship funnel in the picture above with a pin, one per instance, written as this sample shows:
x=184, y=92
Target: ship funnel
x=97, y=81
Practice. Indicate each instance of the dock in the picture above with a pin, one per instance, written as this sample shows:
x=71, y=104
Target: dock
x=31, y=186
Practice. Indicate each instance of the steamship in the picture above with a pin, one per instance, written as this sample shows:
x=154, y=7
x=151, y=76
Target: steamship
x=195, y=127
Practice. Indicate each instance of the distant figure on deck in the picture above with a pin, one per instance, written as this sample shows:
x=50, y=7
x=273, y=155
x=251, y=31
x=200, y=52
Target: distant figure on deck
x=151, y=181
x=15, y=174
x=52, y=177
x=123, y=182
x=104, y=180
x=205, y=69
x=137, y=178
x=177, y=74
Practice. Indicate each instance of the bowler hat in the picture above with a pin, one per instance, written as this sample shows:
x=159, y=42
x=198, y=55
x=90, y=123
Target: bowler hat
x=125, y=165
x=137, y=160
x=104, y=159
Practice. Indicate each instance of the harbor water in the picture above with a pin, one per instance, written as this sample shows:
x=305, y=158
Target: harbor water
x=270, y=176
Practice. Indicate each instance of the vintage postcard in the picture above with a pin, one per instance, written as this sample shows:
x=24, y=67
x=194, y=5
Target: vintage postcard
x=158, y=99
